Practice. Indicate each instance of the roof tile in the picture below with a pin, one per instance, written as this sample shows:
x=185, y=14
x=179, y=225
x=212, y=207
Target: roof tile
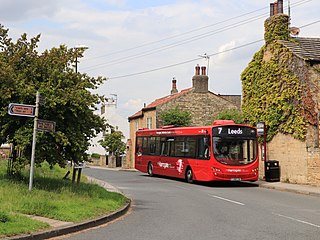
x=305, y=48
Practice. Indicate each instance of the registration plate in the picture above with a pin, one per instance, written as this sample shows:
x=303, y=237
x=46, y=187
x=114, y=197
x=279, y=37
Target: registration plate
x=235, y=179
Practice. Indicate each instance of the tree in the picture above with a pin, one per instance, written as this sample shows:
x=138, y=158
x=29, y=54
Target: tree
x=112, y=142
x=69, y=101
x=176, y=117
x=231, y=114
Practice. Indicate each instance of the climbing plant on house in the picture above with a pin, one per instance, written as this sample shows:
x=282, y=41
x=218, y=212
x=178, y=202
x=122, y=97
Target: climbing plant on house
x=273, y=93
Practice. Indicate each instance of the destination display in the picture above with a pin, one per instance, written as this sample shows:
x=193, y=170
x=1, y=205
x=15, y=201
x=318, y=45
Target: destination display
x=234, y=131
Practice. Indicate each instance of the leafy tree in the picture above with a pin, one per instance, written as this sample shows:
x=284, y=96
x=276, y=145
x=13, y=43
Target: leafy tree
x=176, y=117
x=231, y=114
x=112, y=142
x=69, y=101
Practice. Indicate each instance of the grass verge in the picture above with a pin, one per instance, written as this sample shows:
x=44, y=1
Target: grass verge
x=51, y=197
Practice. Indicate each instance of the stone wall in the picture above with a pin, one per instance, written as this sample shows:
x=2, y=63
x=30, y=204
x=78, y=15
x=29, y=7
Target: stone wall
x=292, y=157
x=313, y=161
x=298, y=164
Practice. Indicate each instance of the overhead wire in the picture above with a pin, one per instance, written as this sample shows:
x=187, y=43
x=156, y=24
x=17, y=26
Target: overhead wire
x=178, y=43
x=199, y=58
x=188, y=32
x=176, y=35
x=190, y=39
x=184, y=62
x=166, y=47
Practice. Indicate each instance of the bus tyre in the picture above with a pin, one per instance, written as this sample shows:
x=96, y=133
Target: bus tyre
x=150, y=169
x=189, y=175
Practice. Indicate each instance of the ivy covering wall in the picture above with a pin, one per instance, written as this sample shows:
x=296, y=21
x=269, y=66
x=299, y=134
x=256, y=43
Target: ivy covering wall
x=271, y=92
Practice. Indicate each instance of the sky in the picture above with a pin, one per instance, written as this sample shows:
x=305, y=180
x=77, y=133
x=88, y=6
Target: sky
x=140, y=46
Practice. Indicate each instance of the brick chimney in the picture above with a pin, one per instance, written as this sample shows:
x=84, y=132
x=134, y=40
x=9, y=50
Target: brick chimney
x=200, y=82
x=276, y=7
x=174, y=86
x=276, y=27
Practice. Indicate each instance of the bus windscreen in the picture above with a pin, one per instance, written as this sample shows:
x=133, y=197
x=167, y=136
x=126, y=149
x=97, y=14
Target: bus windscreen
x=234, y=145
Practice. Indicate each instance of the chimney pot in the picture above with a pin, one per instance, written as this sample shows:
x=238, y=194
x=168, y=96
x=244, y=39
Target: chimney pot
x=271, y=9
x=203, y=70
x=174, y=86
x=280, y=6
x=275, y=8
x=197, y=69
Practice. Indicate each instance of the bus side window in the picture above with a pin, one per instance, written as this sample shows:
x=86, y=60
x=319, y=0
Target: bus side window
x=203, y=148
x=164, y=147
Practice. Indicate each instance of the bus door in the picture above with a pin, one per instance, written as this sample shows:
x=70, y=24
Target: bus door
x=202, y=154
x=139, y=164
x=166, y=164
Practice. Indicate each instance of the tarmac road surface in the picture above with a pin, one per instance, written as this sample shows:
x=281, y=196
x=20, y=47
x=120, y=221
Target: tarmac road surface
x=165, y=208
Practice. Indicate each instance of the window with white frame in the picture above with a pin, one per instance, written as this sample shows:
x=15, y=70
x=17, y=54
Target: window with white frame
x=149, y=122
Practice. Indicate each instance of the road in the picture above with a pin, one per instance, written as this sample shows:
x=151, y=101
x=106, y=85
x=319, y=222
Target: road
x=168, y=209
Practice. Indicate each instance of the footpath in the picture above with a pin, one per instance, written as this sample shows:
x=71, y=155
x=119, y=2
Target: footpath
x=61, y=228
x=289, y=187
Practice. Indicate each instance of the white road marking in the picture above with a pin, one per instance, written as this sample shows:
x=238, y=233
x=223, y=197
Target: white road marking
x=184, y=188
x=297, y=220
x=227, y=200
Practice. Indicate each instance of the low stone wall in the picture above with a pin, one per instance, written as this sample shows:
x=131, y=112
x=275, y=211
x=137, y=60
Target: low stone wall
x=297, y=163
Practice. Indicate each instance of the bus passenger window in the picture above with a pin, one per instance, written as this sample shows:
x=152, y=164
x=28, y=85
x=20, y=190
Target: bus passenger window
x=203, y=148
x=164, y=149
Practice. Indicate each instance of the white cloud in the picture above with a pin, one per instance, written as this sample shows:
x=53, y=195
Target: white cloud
x=133, y=104
x=114, y=29
x=225, y=50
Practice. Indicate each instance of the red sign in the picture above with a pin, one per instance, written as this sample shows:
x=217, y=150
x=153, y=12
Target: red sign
x=21, y=110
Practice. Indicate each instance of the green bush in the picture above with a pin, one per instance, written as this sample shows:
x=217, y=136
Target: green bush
x=95, y=155
x=231, y=114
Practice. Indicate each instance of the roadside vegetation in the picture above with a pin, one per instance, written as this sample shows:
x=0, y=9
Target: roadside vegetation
x=51, y=197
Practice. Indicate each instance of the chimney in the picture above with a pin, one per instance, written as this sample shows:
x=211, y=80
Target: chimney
x=200, y=82
x=276, y=7
x=174, y=86
x=276, y=27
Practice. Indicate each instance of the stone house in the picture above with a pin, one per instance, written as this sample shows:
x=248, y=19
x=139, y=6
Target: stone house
x=198, y=100
x=281, y=88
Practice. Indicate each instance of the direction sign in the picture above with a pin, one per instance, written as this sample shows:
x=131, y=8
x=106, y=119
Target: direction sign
x=45, y=125
x=23, y=110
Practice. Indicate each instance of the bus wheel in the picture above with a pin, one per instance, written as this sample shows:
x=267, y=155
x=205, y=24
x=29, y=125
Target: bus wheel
x=189, y=175
x=150, y=169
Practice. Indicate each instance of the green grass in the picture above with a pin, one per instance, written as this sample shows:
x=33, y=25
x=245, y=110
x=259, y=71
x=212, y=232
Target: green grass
x=51, y=197
x=17, y=224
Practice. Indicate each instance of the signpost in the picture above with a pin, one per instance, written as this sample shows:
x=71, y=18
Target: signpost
x=46, y=126
x=261, y=129
x=23, y=110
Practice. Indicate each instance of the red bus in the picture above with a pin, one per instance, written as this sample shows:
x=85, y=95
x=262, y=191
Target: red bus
x=224, y=151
